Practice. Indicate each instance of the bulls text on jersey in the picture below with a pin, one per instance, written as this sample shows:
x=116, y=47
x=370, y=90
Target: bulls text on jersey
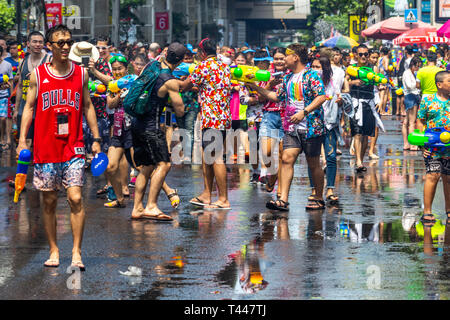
x=57, y=97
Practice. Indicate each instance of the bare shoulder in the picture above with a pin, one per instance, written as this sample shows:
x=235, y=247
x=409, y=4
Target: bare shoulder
x=172, y=84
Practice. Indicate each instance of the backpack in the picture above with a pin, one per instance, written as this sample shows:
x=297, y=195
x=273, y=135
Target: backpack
x=136, y=102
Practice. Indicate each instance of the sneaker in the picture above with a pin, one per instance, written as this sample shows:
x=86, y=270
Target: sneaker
x=132, y=182
x=263, y=180
x=255, y=178
x=111, y=194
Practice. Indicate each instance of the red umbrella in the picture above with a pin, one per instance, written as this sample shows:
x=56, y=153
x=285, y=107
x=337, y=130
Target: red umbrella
x=444, y=31
x=391, y=28
x=419, y=36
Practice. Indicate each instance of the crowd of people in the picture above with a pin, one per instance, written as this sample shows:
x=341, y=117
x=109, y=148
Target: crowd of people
x=308, y=105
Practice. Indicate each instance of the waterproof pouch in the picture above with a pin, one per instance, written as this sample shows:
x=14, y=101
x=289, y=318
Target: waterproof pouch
x=61, y=116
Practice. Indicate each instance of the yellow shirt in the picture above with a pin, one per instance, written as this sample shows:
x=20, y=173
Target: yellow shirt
x=426, y=77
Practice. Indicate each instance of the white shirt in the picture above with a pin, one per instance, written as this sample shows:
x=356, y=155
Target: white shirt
x=409, y=83
x=338, y=78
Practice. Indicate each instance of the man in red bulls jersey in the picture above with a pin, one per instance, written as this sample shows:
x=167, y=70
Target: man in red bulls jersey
x=59, y=95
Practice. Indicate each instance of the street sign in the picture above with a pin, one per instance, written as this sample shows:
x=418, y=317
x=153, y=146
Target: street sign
x=410, y=15
x=162, y=20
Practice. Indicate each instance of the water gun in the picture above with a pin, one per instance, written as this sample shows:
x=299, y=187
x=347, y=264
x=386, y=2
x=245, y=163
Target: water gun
x=96, y=87
x=241, y=73
x=122, y=83
x=21, y=173
x=366, y=75
x=184, y=69
x=14, y=71
x=435, y=139
x=398, y=90
x=3, y=78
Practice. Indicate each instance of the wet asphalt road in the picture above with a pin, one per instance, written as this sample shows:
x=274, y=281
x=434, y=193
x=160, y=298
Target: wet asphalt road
x=247, y=252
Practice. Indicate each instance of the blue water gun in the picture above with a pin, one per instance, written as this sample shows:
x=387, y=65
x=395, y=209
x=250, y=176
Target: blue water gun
x=21, y=172
x=434, y=139
x=184, y=69
x=122, y=83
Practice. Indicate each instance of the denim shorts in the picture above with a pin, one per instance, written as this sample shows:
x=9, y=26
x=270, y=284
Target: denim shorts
x=271, y=125
x=411, y=100
x=55, y=176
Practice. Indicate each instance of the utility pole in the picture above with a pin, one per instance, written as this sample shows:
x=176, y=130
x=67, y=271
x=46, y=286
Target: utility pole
x=169, y=10
x=92, y=19
x=153, y=20
x=19, y=19
x=115, y=22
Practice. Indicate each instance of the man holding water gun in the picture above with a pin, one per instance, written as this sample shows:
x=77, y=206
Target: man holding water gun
x=434, y=112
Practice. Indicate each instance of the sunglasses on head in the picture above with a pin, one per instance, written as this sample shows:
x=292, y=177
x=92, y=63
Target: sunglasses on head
x=118, y=58
x=363, y=54
x=61, y=43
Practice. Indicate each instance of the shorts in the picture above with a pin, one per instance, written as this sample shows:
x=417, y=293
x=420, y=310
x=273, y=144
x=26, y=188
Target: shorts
x=212, y=133
x=150, y=147
x=271, y=125
x=440, y=165
x=368, y=125
x=312, y=146
x=239, y=124
x=54, y=176
x=30, y=134
x=124, y=141
x=4, y=107
x=411, y=100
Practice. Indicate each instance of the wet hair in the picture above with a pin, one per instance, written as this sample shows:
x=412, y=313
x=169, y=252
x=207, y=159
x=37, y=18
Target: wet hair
x=441, y=75
x=103, y=38
x=431, y=56
x=361, y=46
x=384, y=50
x=58, y=28
x=209, y=46
x=240, y=53
x=12, y=43
x=301, y=51
x=416, y=61
x=35, y=33
x=125, y=64
x=141, y=56
x=327, y=71
x=278, y=50
x=372, y=51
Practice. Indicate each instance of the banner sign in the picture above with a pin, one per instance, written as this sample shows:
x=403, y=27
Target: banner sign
x=54, y=14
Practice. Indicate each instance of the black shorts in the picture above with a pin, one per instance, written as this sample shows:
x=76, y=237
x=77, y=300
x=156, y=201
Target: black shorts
x=150, y=147
x=30, y=134
x=441, y=165
x=125, y=141
x=312, y=146
x=368, y=125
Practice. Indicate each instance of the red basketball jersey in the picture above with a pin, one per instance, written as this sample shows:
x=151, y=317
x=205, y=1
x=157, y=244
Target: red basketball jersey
x=58, y=129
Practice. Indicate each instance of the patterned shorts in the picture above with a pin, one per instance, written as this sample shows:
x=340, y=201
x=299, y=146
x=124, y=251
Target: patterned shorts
x=3, y=107
x=54, y=176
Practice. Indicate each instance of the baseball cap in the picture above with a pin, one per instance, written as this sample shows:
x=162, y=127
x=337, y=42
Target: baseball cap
x=175, y=52
x=190, y=48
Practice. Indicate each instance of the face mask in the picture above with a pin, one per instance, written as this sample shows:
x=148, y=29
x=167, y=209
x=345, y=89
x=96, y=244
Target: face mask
x=319, y=72
x=225, y=60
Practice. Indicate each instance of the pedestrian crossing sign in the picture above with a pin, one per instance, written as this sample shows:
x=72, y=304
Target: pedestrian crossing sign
x=410, y=15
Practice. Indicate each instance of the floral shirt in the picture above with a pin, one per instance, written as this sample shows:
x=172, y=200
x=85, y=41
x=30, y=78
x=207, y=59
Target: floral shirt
x=214, y=80
x=307, y=89
x=100, y=103
x=276, y=106
x=436, y=113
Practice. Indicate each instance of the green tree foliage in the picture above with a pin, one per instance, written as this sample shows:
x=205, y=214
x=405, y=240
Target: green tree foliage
x=7, y=17
x=179, y=26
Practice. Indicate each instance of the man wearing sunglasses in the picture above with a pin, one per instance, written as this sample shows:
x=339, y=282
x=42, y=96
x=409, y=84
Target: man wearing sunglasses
x=366, y=117
x=59, y=96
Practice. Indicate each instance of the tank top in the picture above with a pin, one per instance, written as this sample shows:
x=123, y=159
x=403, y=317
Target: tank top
x=364, y=91
x=58, y=132
x=25, y=78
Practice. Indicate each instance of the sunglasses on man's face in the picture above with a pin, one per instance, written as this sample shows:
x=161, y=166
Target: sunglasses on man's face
x=61, y=43
x=363, y=54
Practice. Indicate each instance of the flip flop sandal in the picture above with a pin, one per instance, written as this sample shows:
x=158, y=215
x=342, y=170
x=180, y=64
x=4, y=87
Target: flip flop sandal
x=332, y=201
x=174, y=203
x=158, y=217
x=428, y=223
x=114, y=204
x=320, y=204
x=272, y=205
x=52, y=263
x=311, y=197
x=79, y=265
x=198, y=202
x=217, y=207
x=102, y=190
